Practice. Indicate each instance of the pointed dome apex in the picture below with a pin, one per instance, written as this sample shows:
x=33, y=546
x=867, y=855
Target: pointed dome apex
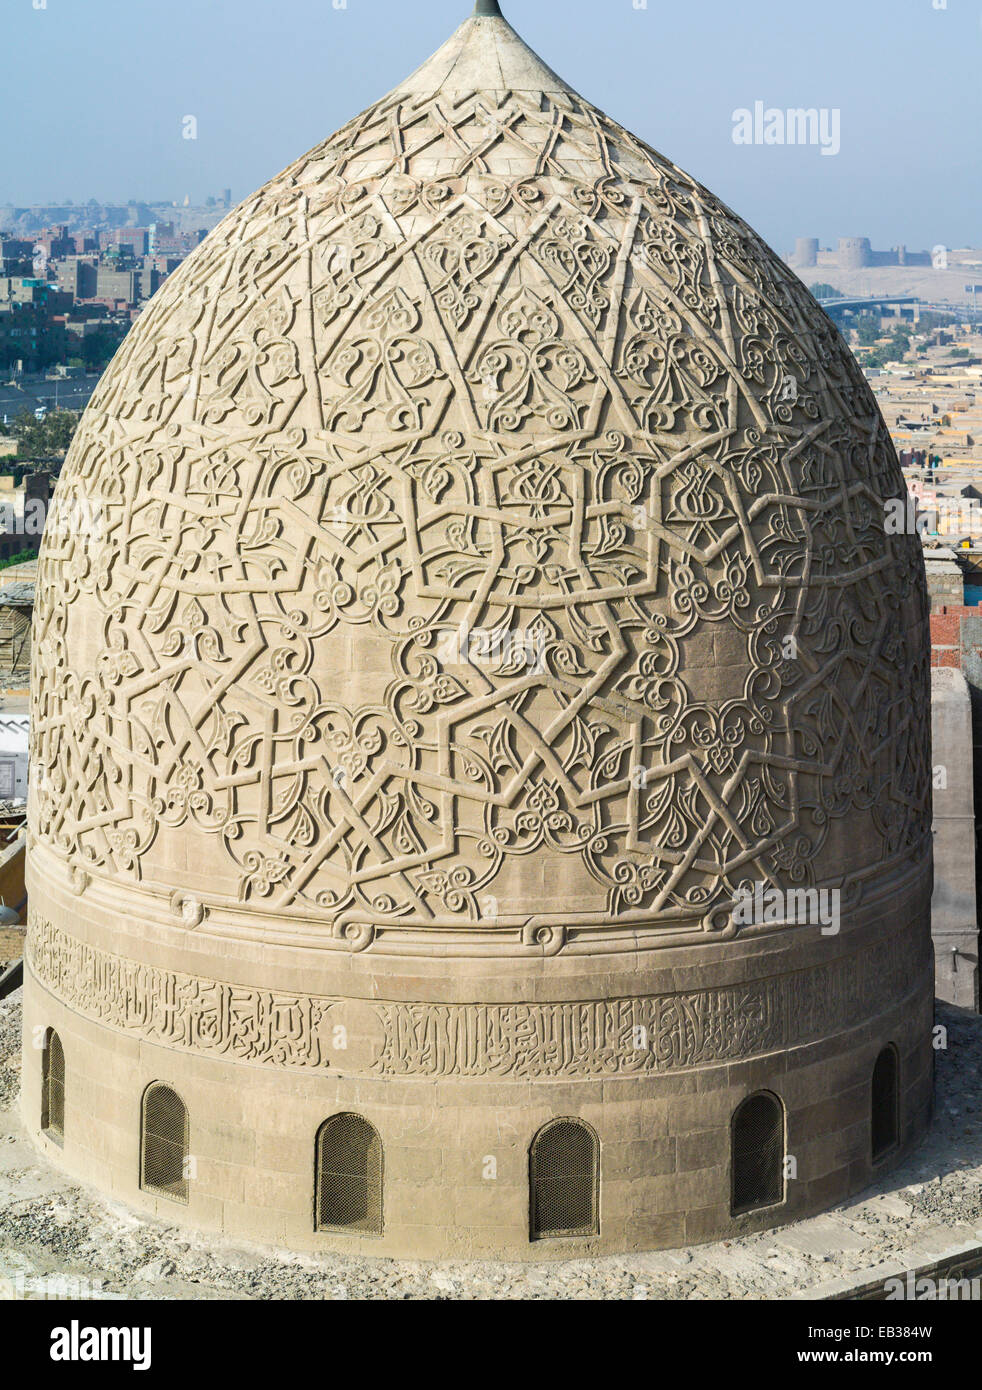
x=485, y=54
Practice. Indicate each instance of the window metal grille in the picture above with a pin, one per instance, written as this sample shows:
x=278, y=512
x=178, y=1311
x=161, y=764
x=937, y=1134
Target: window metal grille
x=563, y=1181
x=758, y=1154
x=349, y=1176
x=885, y=1107
x=165, y=1143
x=53, y=1088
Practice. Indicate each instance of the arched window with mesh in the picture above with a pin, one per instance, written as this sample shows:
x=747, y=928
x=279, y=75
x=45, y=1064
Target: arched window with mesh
x=564, y=1167
x=164, y=1161
x=53, y=1087
x=349, y=1176
x=757, y=1153
x=885, y=1103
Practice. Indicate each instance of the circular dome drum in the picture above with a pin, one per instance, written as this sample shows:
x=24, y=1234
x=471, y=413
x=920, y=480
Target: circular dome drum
x=480, y=730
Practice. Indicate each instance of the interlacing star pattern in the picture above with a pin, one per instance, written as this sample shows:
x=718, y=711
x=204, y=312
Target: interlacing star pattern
x=484, y=366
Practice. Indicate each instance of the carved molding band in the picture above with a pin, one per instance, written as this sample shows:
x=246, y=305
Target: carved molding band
x=532, y=936
x=514, y=1041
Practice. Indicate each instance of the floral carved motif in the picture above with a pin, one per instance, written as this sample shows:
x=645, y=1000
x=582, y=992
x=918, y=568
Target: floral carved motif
x=594, y=421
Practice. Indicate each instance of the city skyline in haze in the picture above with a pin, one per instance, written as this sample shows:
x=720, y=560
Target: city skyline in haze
x=148, y=104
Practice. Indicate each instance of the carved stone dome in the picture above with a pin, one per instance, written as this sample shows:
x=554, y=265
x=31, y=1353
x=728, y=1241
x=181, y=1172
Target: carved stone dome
x=485, y=584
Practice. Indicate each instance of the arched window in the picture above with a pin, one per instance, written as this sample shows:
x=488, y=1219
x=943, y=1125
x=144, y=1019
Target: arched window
x=164, y=1163
x=53, y=1087
x=349, y=1176
x=885, y=1103
x=757, y=1153
x=564, y=1168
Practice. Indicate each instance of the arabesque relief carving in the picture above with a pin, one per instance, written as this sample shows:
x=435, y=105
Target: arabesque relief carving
x=593, y=418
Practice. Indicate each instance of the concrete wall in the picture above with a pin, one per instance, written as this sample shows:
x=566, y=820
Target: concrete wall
x=956, y=660
x=945, y=586
x=12, y=857
x=954, y=919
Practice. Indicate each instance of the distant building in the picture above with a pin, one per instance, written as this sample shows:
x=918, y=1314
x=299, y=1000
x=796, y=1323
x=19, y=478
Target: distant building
x=29, y=334
x=55, y=242
x=77, y=276
x=14, y=254
x=126, y=286
x=16, y=610
x=137, y=239
x=853, y=253
x=14, y=741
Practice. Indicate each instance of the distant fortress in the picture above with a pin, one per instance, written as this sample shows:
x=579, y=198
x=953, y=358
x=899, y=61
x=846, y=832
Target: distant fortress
x=854, y=253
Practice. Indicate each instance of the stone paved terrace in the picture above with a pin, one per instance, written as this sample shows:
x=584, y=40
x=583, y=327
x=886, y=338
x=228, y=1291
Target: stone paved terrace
x=931, y=1206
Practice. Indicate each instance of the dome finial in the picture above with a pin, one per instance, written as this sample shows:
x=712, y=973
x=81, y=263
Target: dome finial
x=486, y=9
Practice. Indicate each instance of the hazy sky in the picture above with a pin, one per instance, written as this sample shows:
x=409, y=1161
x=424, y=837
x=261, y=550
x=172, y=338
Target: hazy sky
x=95, y=92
